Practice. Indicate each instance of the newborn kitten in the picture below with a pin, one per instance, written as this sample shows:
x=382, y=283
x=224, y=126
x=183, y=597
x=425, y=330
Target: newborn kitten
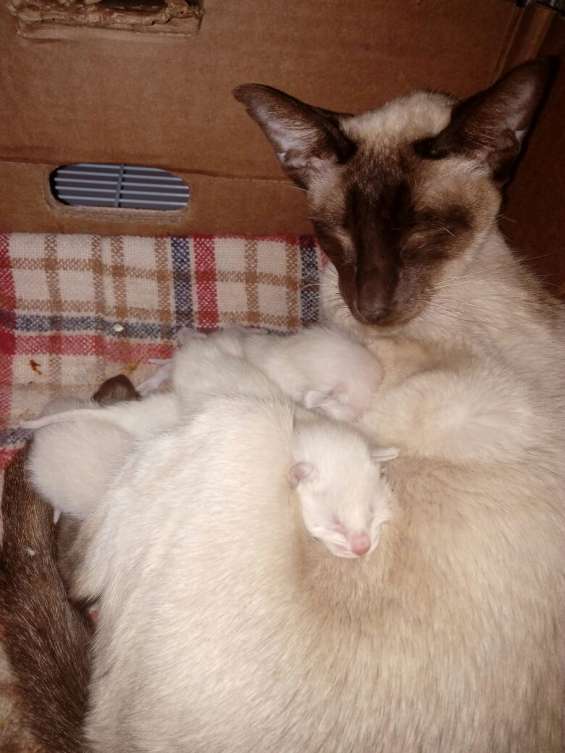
x=318, y=368
x=343, y=495
x=73, y=457
x=344, y=499
x=323, y=370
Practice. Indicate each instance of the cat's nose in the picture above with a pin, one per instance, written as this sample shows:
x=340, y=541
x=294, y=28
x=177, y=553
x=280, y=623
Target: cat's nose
x=371, y=301
x=374, y=314
x=360, y=543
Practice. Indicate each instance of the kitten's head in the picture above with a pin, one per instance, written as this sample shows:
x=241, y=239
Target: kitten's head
x=400, y=193
x=343, y=496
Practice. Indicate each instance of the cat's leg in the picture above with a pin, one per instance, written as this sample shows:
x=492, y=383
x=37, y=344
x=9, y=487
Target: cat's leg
x=461, y=414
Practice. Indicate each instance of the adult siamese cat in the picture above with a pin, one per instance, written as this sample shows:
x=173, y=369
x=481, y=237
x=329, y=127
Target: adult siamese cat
x=221, y=629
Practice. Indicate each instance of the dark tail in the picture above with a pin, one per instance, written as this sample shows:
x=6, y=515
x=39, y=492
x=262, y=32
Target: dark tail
x=46, y=638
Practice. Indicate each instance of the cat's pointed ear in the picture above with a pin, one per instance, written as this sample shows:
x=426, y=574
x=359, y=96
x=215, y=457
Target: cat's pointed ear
x=382, y=454
x=491, y=126
x=305, y=138
x=300, y=472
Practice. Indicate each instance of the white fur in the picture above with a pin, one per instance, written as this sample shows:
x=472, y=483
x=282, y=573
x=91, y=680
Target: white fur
x=321, y=369
x=89, y=443
x=70, y=463
x=156, y=413
x=343, y=495
x=76, y=451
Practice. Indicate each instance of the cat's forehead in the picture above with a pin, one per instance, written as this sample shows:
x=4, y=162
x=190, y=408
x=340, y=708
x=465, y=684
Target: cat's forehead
x=404, y=120
x=385, y=171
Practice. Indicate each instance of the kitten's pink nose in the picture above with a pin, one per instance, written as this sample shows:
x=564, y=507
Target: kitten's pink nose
x=360, y=543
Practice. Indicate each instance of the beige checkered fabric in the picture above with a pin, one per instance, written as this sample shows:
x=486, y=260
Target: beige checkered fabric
x=79, y=309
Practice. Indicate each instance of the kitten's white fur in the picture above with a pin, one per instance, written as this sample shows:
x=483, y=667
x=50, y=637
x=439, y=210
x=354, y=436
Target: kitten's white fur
x=319, y=368
x=76, y=451
x=337, y=475
x=343, y=495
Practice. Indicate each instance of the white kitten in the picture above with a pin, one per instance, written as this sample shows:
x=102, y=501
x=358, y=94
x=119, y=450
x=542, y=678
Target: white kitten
x=344, y=497
x=139, y=418
x=76, y=452
x=318, y=368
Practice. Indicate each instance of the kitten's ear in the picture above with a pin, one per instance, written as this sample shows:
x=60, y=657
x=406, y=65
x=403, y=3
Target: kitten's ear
x=382, y=454
x=300, y=472
x=305, y=138
x=491, y=125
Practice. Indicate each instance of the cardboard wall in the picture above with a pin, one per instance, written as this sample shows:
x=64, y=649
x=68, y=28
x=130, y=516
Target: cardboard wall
x=534, y=216
x=82, y=96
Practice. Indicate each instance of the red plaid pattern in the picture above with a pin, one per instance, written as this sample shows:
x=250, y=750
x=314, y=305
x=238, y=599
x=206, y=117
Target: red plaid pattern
x=77, y=309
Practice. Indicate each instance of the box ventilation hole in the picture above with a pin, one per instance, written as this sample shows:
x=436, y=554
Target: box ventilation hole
x=88, y=184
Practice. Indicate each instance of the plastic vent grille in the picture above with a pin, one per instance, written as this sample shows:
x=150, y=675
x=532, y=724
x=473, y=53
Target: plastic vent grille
x=89, y=184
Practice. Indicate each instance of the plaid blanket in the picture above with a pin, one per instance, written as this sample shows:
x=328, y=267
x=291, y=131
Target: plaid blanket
x=75, y=310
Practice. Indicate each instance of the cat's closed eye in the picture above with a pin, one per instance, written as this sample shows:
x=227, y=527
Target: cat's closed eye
x=429, y=149
x=434, y=233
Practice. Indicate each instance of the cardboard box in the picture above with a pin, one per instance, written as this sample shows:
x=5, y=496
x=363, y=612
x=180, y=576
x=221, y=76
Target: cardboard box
x=75, y=94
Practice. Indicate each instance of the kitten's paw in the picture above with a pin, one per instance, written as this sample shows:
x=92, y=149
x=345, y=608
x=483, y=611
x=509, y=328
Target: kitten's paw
x=334, y=403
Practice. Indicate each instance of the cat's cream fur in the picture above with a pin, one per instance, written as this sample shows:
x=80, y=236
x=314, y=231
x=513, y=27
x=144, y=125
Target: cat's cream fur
x=239, y=450
x=220, y=631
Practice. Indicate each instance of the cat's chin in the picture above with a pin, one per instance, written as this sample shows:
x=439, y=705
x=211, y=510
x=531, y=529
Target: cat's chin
x=335, y=311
